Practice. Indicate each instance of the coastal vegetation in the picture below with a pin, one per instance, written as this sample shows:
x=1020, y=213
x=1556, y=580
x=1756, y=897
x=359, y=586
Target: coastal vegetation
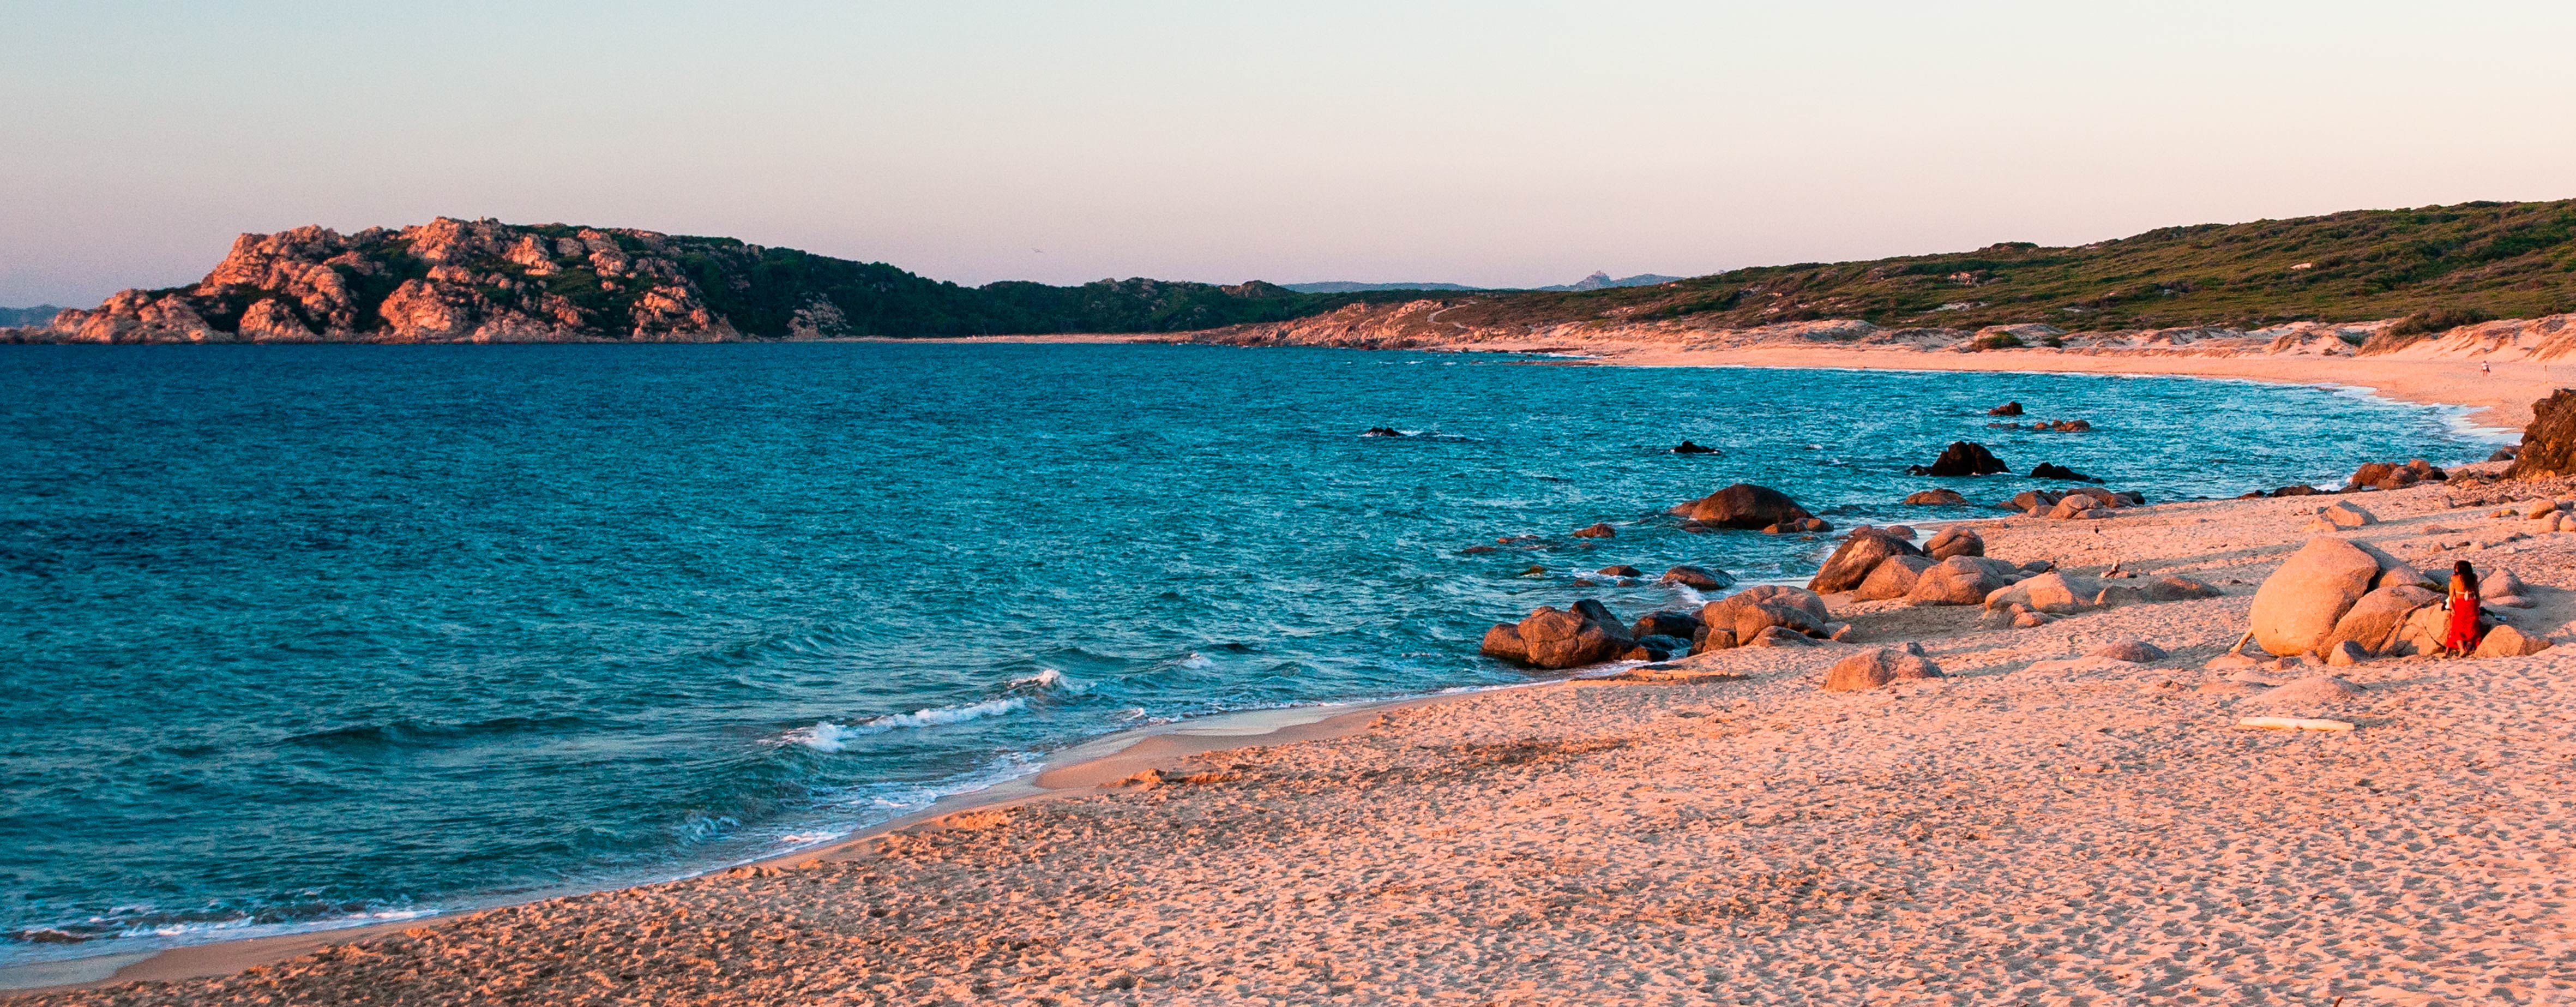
x=2433, y=267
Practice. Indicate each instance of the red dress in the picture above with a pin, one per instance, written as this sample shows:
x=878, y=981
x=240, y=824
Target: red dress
x=2464, y=633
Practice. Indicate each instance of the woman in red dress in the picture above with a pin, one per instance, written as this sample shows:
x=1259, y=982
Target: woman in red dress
x=2463, y=606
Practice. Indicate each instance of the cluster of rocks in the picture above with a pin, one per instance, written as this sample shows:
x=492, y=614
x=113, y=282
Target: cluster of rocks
x=1962, y=458
x=2080, y=503
x=1748, y=506
x=2056, y=426
x=2344, y=601
x=2386, y=476
x=2048, y=595
x=1588, y=632
x=2541, y=517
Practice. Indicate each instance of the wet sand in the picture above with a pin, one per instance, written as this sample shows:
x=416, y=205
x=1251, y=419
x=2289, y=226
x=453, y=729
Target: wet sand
x=2036, y=828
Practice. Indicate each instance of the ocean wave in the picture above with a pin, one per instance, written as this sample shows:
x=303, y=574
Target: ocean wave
x=1050, y=680
x=826, y=736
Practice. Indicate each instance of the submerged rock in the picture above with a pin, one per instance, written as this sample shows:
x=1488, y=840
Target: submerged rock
x=2049, y=470
x=1699, y=577
x=1688, y=448
x=1962, y=458
x=1937, y=498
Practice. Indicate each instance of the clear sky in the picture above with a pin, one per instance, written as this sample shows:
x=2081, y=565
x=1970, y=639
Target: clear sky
x=1494, y=143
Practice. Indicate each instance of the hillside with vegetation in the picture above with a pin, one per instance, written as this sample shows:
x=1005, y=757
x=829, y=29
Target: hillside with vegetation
x=2435, y=266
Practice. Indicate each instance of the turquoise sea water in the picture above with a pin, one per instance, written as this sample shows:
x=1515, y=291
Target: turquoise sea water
x=296, y=635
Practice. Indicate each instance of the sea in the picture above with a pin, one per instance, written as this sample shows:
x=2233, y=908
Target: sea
x=295, y=637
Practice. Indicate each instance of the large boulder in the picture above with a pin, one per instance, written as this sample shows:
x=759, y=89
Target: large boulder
x=2297, y=607
x=1585, y=634
x=2375, y=622
x=1962, y=458
x=1684, y=625
x=1852, y=561
x=1503, y=642
x=2506, y=641
x=1892, y=578
x=1956, y=540
x=1878, y=667
x=2027, y=501
x=1961, y=580
x=2055, y=592
x=1744, y=505
x=2549, y=443
x=2007, y=409
x=1750, y=611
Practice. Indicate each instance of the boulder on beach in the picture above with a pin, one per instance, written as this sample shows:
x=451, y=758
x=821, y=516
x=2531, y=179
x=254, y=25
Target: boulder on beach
x=1503, y=642
x=2297, y=607
x=2501, y=584
x=1962, y=458
x=1892, y=578
x=1961, y=580
x=1747, y=613
x=1852, y=561
x=1878, y=667
x=1688, y=448
x=2007, y=409
x=1596, y=530
x=2346, y=515
x=2054, y=592
x=1956, y=540
x=1697, y=577
x=2374, y=623
x=2051, y=470
x=2506, y=641
x=1937, y=498
x=2081, y=506
x=1585, y=633
x=1744, y=505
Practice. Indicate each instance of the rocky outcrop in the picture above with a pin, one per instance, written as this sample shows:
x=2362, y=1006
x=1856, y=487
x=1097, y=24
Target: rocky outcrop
x=2549, y=443
x=2390, y=476
x=1586, y=633
x=1745, y=615
x=1956, y=540
x=485, y=281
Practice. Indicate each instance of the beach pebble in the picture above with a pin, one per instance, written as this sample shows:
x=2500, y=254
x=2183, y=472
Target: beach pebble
x=1877, y=667
x=2506, y=641
x=2132, y=651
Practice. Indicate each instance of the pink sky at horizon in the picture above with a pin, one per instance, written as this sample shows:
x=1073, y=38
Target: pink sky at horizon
x=1498, y=144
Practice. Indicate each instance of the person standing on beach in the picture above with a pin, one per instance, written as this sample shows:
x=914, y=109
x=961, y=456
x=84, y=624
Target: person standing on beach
x=2463, y=606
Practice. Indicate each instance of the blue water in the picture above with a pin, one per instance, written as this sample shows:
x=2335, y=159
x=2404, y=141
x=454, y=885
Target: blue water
x=291, y=635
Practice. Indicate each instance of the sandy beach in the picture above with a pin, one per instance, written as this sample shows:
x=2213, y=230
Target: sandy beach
x=2038, y=827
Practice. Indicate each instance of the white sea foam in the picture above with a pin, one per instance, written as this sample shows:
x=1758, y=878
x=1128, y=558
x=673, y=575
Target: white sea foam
x=1196, y=661
x=1050, y=680
x=826, y=736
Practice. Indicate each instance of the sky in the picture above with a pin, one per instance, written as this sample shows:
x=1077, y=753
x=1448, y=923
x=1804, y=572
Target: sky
x=1500, y=144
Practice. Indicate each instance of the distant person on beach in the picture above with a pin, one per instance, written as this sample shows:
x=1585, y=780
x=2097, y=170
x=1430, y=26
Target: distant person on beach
x=2484, y=368
x=2463, y=606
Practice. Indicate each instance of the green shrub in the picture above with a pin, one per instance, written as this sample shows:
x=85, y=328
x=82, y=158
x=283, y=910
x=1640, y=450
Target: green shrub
x=2413, y=328
x=1999, y=341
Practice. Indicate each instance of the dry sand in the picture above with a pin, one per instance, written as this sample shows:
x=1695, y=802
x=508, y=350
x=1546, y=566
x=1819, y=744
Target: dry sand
x=2030, y=830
